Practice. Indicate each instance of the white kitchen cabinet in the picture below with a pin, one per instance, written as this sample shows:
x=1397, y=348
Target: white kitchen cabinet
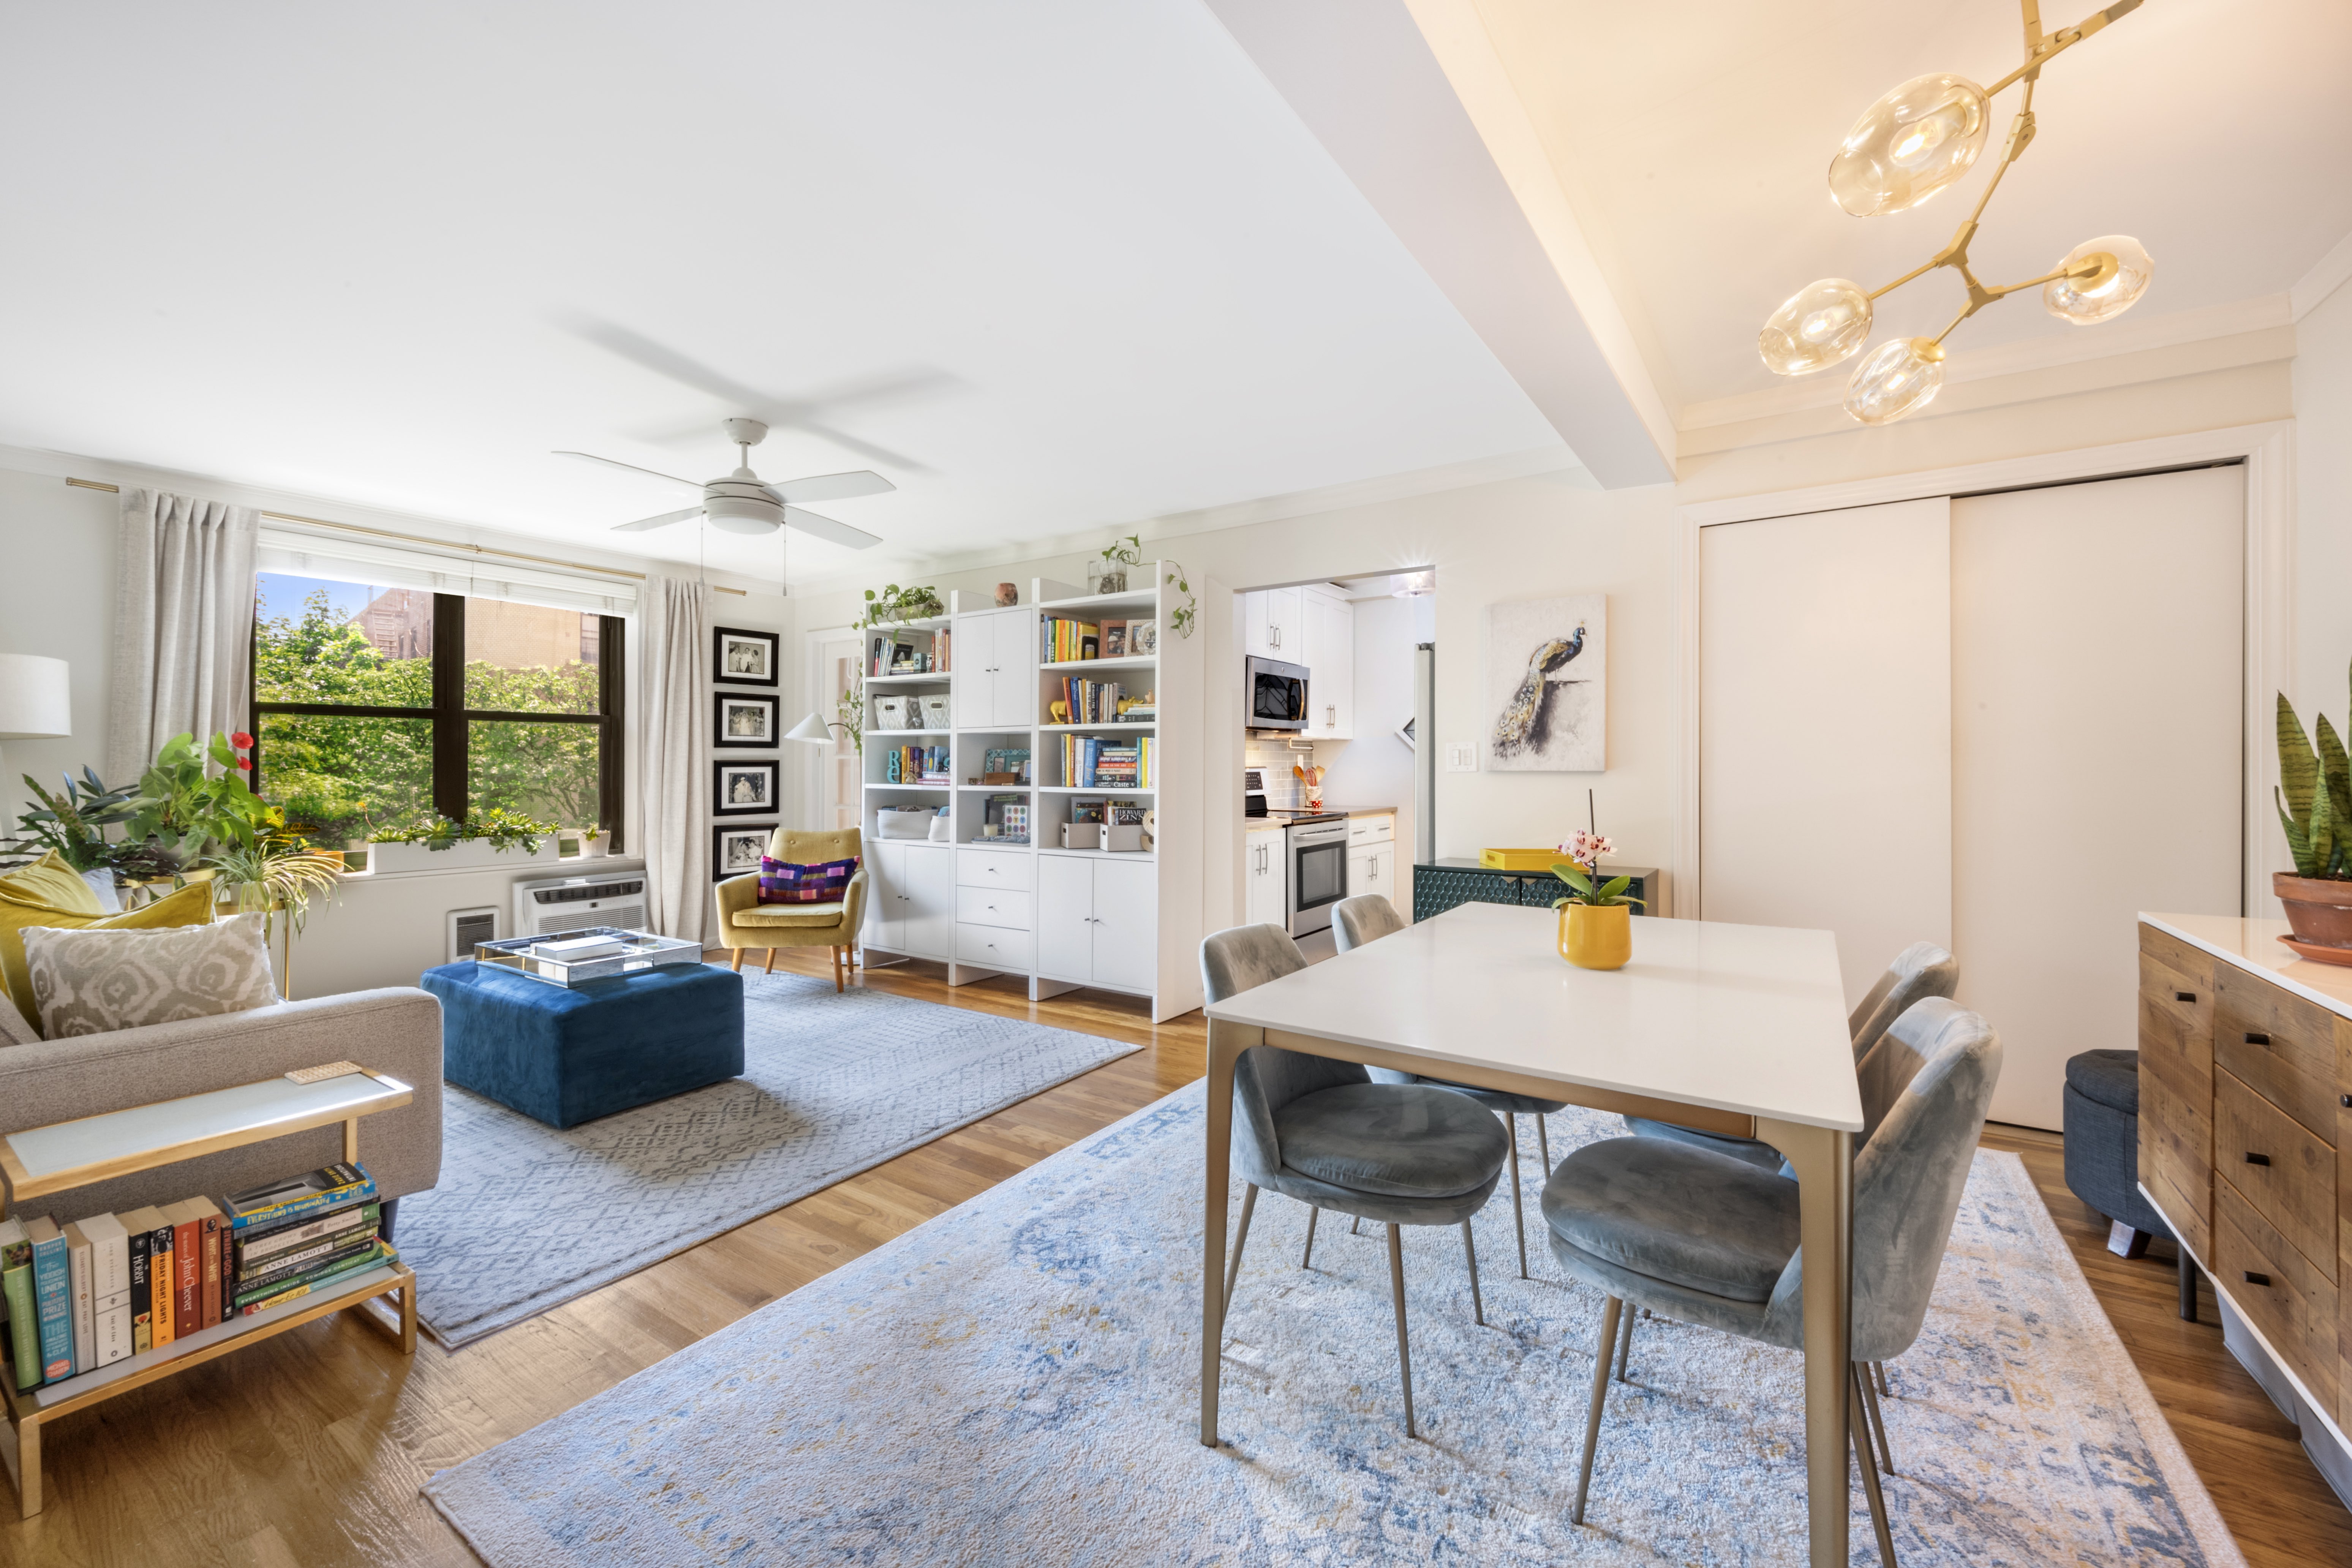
x=1271, y=626
x=995, y=661
x=1328, y=650
x=1265, y=877
x=910, y=899
x=1372, y=870
x=1097, y=922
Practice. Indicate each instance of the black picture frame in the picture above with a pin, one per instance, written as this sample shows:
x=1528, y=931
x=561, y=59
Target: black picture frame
x=720, y=701
x=720, y=668
x=764, y=807
x=721, y=832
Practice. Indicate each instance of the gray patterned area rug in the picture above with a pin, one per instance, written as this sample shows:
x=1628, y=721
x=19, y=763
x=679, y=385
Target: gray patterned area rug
x=525, y=1217
x=1018, y=1381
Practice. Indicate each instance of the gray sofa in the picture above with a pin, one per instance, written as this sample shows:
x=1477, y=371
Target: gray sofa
x=395, y=1031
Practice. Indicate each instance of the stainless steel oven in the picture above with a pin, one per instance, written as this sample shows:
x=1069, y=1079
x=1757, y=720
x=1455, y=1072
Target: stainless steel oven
x=1278, y=694
x=1317, y=847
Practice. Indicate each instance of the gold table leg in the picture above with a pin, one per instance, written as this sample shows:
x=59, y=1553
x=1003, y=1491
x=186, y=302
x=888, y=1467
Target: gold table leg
x=1823, y=1161
x=1227, y=1044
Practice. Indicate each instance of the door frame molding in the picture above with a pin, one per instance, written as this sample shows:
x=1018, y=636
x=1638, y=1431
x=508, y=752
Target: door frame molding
x=2267, y=452
x=817, y=758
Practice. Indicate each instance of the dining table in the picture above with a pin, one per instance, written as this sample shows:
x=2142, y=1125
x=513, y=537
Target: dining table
x=1737, y=1029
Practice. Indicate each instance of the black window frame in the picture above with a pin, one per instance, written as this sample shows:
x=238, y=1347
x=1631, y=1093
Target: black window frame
x=452, y=720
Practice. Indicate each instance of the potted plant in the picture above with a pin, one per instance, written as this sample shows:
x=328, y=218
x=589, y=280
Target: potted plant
x=1596, y=927
x=277, y=873
x=895, y=605
x=182, y=808
x=592, y=842
x=73, y=825
x=1107, y=573
x=438, y=844
x=2315, y=807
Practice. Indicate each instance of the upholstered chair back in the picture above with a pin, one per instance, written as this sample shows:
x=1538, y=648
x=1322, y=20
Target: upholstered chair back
x=1919, y=971
x=1368, y=917
x=1930, y=1079
x=1267, y=1078
x=814, y=847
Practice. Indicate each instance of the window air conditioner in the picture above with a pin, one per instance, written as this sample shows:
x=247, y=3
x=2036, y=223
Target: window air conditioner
x=575, y=904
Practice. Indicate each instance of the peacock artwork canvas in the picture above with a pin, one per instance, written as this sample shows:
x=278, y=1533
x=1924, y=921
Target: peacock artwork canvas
x=1546, y=684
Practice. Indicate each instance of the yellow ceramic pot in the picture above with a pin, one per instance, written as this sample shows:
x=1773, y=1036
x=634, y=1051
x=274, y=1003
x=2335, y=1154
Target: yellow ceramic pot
x=1596, y=936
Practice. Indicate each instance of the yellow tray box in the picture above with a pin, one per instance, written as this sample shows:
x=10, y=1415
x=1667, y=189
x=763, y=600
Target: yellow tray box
x=1519, y=859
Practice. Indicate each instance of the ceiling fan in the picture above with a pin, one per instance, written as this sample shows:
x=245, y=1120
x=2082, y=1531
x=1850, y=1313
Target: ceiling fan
x=742, y=502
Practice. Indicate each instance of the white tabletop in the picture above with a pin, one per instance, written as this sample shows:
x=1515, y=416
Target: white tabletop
x=1743, y=1018
x=139, y=1130
x=2254, y=946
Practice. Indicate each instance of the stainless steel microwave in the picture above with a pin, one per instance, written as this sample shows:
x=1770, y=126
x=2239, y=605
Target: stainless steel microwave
x=1278, y=694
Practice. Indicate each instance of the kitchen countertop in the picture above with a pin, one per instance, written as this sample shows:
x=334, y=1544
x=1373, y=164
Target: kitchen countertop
x=1257, y=824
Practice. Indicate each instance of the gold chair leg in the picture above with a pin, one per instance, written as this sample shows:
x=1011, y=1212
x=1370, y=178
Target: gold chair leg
x=1470, y=1251
x=1855, y=1382
x=770, y=967
x=1307, y=1258
x=1233, y=1269
x=1543, y=1147
x=1878, y=1372
x=1878, y=1423
x=837, y=972
x=1625, y=1348
x=1609, y=1315
x=1511, y=1125
x=735, y=958
x=1404, y=1352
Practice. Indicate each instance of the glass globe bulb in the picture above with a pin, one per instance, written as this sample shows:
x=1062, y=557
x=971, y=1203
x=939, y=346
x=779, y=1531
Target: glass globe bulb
x=1901, y=376
x=1910, y=145
x=2125, y=271
x=1816, y=327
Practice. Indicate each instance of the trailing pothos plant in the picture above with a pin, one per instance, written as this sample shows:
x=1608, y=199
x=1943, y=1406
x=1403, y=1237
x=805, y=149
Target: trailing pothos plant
x=500, y=828
x=1182, y=616
x=895, y=605
x=1581, y=872
x=2315, y=795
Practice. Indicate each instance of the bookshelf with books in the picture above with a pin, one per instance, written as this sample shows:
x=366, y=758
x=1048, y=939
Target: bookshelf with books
x=108, y=1302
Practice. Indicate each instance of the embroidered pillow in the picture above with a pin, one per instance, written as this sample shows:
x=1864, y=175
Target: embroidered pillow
x=95, y=982
x=786, y=882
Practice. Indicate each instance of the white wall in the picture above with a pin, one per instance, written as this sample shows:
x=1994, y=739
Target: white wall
x=57, y=598
x=2323, y=601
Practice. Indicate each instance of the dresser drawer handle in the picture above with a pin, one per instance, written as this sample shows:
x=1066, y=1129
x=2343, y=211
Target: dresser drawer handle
x=2258, y=1159
x=2254, y=1279
x=2345, y=1100
x=2184, y=996
x=2254, y=1039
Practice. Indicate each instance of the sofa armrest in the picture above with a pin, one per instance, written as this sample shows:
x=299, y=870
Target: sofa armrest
x=395, y=1031
x=853, y=906
x=735, y=895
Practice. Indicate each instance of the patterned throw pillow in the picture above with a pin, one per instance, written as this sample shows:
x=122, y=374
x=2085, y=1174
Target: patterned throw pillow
x=784, y=882
x=95, y=982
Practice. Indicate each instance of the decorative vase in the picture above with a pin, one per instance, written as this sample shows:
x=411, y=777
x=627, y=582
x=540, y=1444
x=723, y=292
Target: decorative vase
x=2319, y=908
x=1596, y=936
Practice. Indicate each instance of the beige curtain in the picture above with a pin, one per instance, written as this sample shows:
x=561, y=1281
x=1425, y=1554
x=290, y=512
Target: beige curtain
x=672, y=742
x=183, y=625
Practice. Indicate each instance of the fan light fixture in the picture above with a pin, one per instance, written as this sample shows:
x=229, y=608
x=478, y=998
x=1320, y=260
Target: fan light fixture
x=1905, y=149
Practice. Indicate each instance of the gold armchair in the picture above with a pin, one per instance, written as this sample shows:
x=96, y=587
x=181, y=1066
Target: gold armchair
x=744, y=922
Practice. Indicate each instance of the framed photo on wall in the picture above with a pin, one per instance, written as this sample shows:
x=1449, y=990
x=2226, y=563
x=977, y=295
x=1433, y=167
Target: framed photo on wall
x=744, y=658
x=742, y=789
x=743, y=720
x=736, y=848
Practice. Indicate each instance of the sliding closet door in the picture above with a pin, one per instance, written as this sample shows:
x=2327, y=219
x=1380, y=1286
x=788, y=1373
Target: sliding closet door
x=1825, y=725
x=2097, y=742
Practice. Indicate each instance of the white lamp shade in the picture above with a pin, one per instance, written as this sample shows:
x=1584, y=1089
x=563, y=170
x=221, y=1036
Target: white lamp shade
x=813, y=729
x=35, y=697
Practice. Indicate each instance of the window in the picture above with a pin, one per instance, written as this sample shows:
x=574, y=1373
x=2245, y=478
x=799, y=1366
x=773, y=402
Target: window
x=381, y=705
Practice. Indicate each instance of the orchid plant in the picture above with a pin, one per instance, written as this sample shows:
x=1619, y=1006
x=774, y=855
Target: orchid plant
x=1581, y=872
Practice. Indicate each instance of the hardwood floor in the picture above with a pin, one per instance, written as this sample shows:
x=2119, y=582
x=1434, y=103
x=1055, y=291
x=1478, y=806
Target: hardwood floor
x=307, y=1451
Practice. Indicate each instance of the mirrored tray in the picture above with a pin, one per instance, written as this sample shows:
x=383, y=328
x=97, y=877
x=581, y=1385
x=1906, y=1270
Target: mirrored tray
x=644, y=951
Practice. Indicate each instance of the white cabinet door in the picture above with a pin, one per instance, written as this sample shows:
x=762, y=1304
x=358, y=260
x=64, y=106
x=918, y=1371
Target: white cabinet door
x=972, y=681
x=1373, y=871
x=1262, y=867
x=886, y=868
x=1328, y=650
x=929, y=903
x=1014, y=658
x=1283, y=626
x=1126, y=924
x=1065, y=917
x=1257, y=639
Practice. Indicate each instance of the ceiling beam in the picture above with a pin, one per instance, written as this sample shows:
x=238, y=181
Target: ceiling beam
x=1365, y=80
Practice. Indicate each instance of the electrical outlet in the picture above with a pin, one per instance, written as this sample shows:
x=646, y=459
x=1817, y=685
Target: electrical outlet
x=1461, y=756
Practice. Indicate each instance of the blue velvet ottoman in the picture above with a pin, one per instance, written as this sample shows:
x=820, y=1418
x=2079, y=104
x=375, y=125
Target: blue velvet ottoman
x=564, y=1054
x=2100, y=1112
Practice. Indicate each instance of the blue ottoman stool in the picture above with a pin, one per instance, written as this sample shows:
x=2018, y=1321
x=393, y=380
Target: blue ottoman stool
x=564, y=1054
x=2101, y=1115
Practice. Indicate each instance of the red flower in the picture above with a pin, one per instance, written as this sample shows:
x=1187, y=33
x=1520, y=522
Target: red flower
x=241, y=741
x=245, y=763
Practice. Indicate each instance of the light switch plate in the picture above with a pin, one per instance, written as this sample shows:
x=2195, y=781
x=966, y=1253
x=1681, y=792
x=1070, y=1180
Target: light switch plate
x=1461, y=756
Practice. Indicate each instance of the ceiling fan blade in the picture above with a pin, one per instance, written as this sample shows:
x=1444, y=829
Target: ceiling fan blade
x=645, y=524
x=617, y=463
x=824, y=528
x=832, y=487
x=664, y=361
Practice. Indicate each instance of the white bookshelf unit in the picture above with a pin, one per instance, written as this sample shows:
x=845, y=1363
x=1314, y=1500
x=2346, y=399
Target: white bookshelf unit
x=1059, y=918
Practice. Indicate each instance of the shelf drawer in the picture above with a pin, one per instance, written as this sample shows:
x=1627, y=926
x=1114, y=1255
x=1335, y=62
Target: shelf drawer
x=992, y=947
x=2278, y=1167
x=2279, y=1290
x=993, y=907
x=2281, y=1045
x=1381, y=829
x=993, y=869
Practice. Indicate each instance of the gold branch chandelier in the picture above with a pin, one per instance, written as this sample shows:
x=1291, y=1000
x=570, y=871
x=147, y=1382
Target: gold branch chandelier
x=1906, y=147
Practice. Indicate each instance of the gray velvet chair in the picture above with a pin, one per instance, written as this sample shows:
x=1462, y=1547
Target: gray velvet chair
x=1919, y=971
x=1711, y=1239
x=1321, y=1131
x=1369, y=917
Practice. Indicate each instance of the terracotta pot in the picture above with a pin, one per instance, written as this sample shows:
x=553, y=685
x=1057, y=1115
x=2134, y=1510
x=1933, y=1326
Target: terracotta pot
x=2318, y=907
x=1596, y=936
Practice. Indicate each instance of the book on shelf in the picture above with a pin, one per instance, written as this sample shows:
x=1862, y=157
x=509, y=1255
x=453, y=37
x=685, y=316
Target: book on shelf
x=110, y=1286
x=24, y=1310
x=52, y=1297
x=254, y=1249
x=163, y=1320
x=215, y=1231
x=315, y=1281
x=304, y=1260
x=1067, y=641
x=85, y=1317
x=329, y=1187
x=187, y=1219
x=1093, y=761
x=140, y=1225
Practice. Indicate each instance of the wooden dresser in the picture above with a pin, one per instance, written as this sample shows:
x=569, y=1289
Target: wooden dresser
x=2245, y=1143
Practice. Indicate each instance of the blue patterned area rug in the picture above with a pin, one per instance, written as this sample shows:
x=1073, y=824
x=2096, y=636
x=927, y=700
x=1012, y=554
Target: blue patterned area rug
x=1016, y=1382
x=526, y=1218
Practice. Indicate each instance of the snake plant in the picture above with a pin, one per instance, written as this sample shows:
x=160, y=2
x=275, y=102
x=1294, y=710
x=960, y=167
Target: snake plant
x=2315, y=795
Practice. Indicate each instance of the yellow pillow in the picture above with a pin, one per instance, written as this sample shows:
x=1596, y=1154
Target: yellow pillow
x=191, y=906
x=50, y=883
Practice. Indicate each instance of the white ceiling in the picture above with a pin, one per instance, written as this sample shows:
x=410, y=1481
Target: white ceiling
x=362, y=253
x=1696, y=143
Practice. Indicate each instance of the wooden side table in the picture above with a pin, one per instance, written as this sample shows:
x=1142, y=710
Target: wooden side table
x=40, y=1160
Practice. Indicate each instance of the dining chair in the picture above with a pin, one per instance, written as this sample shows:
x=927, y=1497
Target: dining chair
x=1702, y=1236
x=1368, y=917
x=1323, y=1132
x=1919, y=971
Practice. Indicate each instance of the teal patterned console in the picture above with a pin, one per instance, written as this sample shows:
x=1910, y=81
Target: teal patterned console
x=1440, y=885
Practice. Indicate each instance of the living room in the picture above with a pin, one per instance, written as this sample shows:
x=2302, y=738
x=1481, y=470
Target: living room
x=635, y=748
